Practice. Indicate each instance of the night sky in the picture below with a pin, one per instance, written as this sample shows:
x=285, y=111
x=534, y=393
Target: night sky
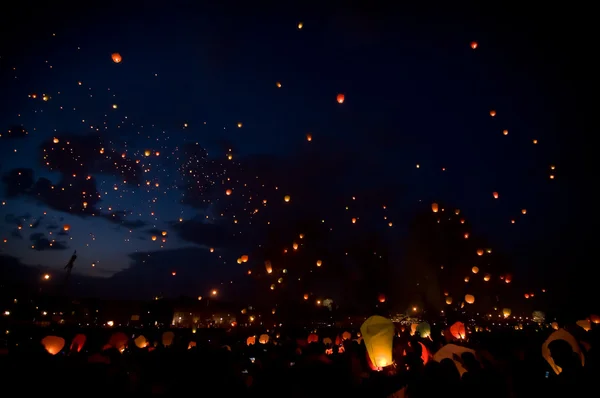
x=212, y=98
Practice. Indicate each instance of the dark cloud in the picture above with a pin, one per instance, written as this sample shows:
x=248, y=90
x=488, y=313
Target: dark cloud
x=74, y=194
x=14, y=132
x=88, y=155
x=119, y=217
x=40, y=242
x=200, y=232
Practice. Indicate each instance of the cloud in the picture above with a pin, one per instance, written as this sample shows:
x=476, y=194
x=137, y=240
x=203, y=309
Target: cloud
x=88, y=155
x=200, y=232
x=74, y=194
x=40, y=243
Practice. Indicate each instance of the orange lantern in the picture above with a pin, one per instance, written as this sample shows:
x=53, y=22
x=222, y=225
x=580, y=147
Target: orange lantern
x=308, y=137
x=474, y=45
x=251, y=340
x=140, y=342
x=340, y=98
x=381, y=298
x=434, y=207
x=480, y=252
x=116, y=57
x=244, y=258
x=268, y=267
x=319, y=263
x=263, y=339
x=469, y=299
x=66, y=227
x=458, y=331
x=487, y=277
x=312, y=338
x=495, y=195
x=287, y=198
x=228, y=192
x=118, y=340
x=595, y=319
x=492, y=113
x=53, y=344
x=448, y=300
x=475, y=269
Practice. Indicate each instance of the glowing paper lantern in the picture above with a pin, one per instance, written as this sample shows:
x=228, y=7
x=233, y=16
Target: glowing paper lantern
x=327, y=341
x=251, y=340
x=346, y=336
x=287, y=198
x=116, y=57
x=561, y=334
x=244, y=258
x=140, y=342
x=595, y=318
x=118, y=340
x=506, y=312
x=434, y=207
x=424, y=329
x=585, y=324
x=448, y=300
x=475, y=269
x=378, y=334
x=78, y=342
x=263, y=339
x=458, y=331
x=312, y=338
x=469, y=298
x=341, y=98
x=167, y=338
x=448, y=351
x=381, y=298
x=268, y=267
x=191, y=345
x=53, y=344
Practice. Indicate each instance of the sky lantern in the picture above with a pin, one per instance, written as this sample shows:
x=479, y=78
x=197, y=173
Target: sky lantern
x=212, y=249
x=153, y=238
x=595, y=318
x=381, y=298
x=480, y=252
x=505, y=132
x=228, y=192
x=244, y=258
x=448, y=300
x=526, y=295
x=287, y=198
x=300, y=25
x=239, y=260
x=495, y=195
x=263, y=339
x=474, y=45
x=469, y=298
x=167, y=338
x=55, y=140
x=312, y=338
x=116, y=57
x=434, y=207
x=118, y=340
x=239, y=125
x=340, y=98
x=164, y=233
x=523, y=211
x=53, y=344
x=295, y=246
x=192, y=344
x=508, y=278
x=492, y=113
x=305, y=296
x=585, y=324
x=353, y=220
x=475, y=269
x=308, y=137
x=487, y=277
x=251, y=340
x=278, y=84
x=424, y=329
x=147, y=153
x=268, y=267
x=467, y=279
x=378, y=334
x=506, y=312
x=66, y=227
x=458, y=331
x=140, y=341
x=466, y=235
x=78, y=342
x=561, y=334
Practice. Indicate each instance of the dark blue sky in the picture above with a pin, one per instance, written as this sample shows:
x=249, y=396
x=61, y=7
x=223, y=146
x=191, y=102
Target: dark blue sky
x=416, y=93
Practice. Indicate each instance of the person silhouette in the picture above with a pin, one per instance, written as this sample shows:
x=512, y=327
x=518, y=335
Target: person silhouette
x=71, y=263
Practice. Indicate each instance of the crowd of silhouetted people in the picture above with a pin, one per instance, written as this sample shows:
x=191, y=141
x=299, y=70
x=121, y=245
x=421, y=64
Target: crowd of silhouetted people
x=505, y=364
